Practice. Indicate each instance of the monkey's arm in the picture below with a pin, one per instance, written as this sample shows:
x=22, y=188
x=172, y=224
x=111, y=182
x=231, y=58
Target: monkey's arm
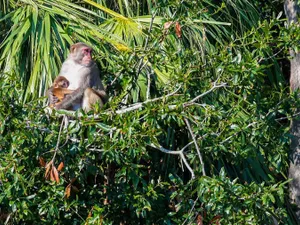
x=75, y=97
x=52, y=98
x=56, y=95
x=60, y=93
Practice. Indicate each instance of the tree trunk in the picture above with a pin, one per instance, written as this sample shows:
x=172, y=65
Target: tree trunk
x=291, y=10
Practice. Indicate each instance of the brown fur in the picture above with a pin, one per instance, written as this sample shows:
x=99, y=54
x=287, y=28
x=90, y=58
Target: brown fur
x=59, y=89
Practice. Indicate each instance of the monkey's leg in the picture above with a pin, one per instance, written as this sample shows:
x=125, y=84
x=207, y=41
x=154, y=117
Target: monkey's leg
x=90, y=98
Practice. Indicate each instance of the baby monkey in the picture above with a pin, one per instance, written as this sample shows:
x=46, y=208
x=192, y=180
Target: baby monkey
x=59, y=88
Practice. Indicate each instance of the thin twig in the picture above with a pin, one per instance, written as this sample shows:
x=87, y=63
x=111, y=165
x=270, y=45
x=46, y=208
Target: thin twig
x=196, y=145
x=191, y=210
x=231, y=136
x=180, y=153
x=96, y=150
x=77, y=214
x=7, y=219
x=272, y=56
x=288, y=117
x=58, y=139
x=114, y=80
x=215, y=86
x=148, y=85
x=140, y=67
x=140, y=104
x=187, y=165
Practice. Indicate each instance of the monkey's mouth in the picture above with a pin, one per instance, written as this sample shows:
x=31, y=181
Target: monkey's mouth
x=86, y=63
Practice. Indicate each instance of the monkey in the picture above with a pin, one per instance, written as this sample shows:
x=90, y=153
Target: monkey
x=83, y=75
x=59, y=88
x=61, y=82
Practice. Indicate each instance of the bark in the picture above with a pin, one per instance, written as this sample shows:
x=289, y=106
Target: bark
x=291, y=10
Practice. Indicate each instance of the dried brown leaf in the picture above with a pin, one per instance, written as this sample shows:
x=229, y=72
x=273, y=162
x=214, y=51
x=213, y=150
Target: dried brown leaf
x=68, y=191
x=49, y=164
x=90, y=214
x=42, y=161
x=60, y=166
x=178, y=29
x=54, y=175
x=48, y=168
x=216, y=220
x=199, y=220
x=73, y=180
x=74, y=188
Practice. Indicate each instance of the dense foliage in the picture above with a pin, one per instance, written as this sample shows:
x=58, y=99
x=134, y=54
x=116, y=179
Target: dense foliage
x=196, y=129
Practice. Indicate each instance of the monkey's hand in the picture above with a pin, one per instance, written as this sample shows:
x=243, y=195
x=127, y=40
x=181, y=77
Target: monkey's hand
x=52, y=98
x=60, y=105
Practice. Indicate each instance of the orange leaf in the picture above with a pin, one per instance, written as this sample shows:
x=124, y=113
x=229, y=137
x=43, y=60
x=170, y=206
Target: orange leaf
x=60, y=166
x=178, y=29
x=54, y=175
x=48, y=167
x=199, y=220
x=42, y=162
x=49, y=164
x=68, y=191
x=90, y=214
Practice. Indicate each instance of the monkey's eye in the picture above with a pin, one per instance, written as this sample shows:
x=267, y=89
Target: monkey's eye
x=87, y=51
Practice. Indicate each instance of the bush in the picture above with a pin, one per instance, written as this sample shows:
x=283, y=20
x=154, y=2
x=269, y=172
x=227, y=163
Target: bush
x=207, y=144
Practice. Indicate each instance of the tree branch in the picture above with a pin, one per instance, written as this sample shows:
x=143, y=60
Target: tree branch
x=180, y=153
x=140, y=104
x=215, y=86
x=196, y=145
x=236, y=133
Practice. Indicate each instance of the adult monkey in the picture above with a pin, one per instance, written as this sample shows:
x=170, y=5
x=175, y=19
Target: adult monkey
x=84, y=77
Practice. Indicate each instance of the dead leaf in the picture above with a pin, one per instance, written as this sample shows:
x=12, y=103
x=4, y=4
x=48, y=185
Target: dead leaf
x=90, y=214
x=49, y=164
x=199, y=220
x=178, y=29
x=74, y=188
x=68, y=191
x=42, y=161
x=48, y=168
x=60, y=166
x=167, y=25
x=73, y=180
x=54, y=174
x=216, y=220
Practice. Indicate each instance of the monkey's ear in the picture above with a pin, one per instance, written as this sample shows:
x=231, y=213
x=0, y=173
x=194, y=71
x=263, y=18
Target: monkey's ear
x=72, y=48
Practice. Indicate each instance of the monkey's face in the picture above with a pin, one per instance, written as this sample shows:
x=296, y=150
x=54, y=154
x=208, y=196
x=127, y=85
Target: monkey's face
x=64, y=84
x=61, y=84
x=82, y=54
x=87, y=56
